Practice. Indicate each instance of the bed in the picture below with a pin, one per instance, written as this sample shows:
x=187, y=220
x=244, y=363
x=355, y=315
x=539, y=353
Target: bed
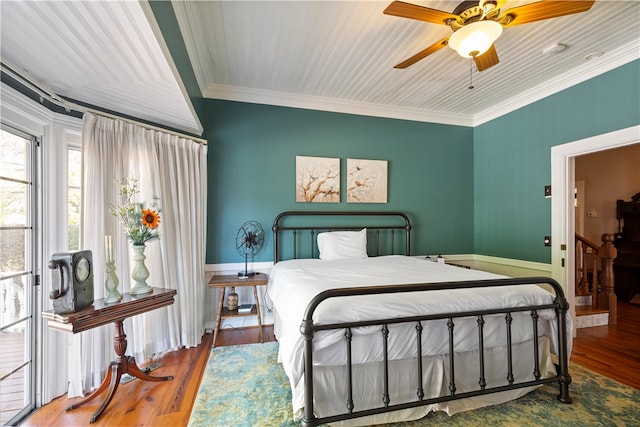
x=369, y=334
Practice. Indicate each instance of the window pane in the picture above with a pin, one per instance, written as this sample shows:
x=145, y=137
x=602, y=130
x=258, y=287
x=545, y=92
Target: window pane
x=74, y=182
x=74, y=156
x=73, y=223
x=13, y=203
x=13, y=161
x=13, y=390
x=12, y=251
x=12, y=303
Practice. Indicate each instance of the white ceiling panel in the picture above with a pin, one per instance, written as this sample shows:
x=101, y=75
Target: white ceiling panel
x=339, y=55
x=103, y=53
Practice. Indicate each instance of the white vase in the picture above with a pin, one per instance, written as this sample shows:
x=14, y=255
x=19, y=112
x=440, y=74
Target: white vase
x=140, y=273
x=111, y=284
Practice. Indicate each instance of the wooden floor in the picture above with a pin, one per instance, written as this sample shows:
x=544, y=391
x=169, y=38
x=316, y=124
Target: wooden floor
x=613, y=351
x=143, y=403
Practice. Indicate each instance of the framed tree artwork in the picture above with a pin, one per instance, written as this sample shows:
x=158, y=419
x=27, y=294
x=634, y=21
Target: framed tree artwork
x=366, y=181
x=317, y=179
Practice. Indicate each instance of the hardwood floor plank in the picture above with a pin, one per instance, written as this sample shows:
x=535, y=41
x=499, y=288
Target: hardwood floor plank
x=141, y=403
x=613, y=351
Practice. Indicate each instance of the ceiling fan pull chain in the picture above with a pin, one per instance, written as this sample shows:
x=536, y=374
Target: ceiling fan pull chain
x=470, y=75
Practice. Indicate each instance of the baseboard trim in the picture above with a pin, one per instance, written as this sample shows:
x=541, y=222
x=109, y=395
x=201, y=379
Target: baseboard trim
x=233, y=268
x=498, y=265
x=505, y=266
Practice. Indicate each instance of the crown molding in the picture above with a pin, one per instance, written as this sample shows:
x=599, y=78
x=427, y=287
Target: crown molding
x=590, y=69
x=14, y=101
x=20, y=111
x=623, y=55
x=284, y=99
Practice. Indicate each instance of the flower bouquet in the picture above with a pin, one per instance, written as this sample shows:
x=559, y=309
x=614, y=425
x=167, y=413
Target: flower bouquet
x=140, y=225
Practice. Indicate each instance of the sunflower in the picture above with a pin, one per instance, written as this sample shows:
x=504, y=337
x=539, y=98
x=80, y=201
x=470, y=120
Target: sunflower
x=150, y=218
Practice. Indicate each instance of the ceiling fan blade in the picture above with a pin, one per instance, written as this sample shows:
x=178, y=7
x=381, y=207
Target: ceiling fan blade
x=423, y=53
x=487, y=59
x=421, y=13
x=542, y=10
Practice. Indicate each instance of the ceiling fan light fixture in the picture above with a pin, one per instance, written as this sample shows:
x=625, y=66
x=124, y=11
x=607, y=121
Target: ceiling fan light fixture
x=475, y=38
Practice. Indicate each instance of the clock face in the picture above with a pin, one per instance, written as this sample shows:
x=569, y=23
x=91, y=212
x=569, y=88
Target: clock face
x=82, y=269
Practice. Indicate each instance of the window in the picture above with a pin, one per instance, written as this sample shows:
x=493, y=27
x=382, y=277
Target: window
x=74, y=180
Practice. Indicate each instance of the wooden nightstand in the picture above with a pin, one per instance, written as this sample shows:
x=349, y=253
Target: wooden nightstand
x=232, y=281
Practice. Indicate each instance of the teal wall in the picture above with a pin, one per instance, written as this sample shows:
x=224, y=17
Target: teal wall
x=512, y=159
x=251, y=167
x=435, y=171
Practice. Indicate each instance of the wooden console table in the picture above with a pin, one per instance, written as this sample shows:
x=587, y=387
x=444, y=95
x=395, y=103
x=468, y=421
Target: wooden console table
x=101, y=314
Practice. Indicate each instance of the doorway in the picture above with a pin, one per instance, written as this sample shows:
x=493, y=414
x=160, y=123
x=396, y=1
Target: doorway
x=18, y=253
x=562, y=201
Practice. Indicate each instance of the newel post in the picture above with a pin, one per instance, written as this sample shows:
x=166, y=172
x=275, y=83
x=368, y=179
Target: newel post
x=607, y=296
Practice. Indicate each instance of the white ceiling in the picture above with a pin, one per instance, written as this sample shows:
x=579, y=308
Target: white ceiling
x=339, y=56
x=104, y=53
x=325, y=55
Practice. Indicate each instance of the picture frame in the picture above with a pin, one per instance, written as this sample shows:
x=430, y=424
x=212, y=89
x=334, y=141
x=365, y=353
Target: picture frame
x=317, y=179
x=367, y=181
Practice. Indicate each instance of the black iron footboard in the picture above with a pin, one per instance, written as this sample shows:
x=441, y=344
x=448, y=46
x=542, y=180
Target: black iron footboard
x=562, y=377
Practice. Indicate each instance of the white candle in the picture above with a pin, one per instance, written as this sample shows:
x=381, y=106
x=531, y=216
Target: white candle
x=107, y=243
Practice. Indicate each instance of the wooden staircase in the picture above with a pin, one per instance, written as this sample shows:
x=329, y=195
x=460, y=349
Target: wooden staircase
x=596, y=303
x=588, y=316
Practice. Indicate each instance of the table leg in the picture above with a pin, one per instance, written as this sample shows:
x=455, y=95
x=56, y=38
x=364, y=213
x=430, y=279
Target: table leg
x=255, y=296
x=218, y=315
x=122, y=365
x=113, y=386
x=111, y=372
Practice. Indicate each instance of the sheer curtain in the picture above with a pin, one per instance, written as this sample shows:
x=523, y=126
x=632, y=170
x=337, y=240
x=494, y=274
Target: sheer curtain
x=174, y=170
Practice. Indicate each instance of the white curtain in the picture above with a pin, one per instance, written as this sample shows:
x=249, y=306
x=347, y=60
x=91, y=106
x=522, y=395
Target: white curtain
x=173, y=169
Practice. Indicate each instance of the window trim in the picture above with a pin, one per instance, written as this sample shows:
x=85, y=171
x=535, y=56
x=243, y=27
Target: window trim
x=18, y=111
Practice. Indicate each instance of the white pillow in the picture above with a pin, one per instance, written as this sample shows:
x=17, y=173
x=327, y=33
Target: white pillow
x=343, y=244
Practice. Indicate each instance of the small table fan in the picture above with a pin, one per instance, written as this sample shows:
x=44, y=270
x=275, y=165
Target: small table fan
x=249, y=241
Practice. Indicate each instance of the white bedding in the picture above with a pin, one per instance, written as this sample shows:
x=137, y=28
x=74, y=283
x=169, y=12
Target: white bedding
x=293, y=283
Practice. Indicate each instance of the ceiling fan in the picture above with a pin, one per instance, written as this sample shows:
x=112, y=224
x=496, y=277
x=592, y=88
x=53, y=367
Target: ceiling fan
x=476, y=25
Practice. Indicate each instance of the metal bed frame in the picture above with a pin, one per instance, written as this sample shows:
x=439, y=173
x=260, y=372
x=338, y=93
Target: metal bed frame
x=308, y=328
x=396, y=223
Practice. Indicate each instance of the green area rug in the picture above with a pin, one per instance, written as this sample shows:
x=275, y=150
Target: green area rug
x=245, y=386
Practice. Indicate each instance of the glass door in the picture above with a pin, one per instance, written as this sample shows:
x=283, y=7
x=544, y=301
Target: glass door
x=17, y=277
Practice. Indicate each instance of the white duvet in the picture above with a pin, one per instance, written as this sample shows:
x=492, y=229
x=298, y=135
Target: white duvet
x=293, y=283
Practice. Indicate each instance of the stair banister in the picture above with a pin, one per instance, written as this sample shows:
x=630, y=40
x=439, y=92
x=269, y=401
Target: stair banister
x=606, y=296
x=584, y=248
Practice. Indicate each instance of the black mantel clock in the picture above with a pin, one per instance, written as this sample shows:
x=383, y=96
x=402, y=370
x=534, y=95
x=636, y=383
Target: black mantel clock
x=73, y=285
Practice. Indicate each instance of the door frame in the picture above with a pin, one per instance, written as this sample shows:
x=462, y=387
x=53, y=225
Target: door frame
x=562, y=209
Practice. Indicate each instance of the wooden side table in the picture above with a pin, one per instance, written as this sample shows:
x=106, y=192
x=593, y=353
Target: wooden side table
x=100, y=314
x=233, y=281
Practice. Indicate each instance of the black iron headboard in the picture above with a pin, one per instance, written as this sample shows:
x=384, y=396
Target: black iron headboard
x=303, y=226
